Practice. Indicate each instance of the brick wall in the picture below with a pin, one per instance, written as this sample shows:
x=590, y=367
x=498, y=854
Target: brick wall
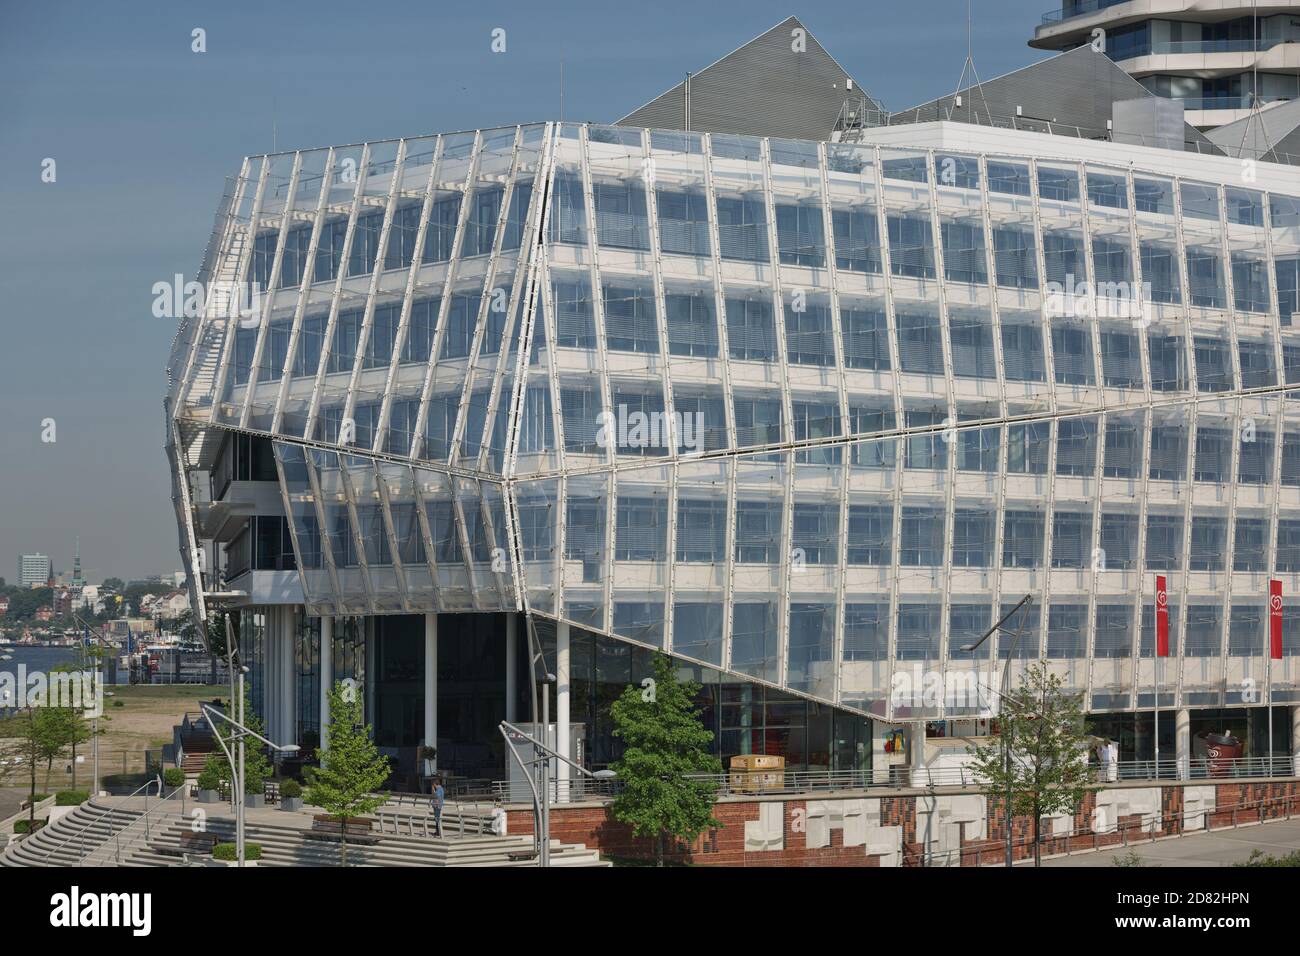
x=591, y=824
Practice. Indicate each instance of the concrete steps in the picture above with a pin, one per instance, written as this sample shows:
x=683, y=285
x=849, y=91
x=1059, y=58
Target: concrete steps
x=85, y=831
x=286, y=845
x=89, y=834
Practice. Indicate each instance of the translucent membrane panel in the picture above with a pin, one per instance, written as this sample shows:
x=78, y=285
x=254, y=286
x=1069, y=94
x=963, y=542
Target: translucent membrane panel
x=397, y=487
x=446, y=539
x=586, y=544
x=811, y=664
x=301, y=501
x=339, y=532
x=537, y=520
x=1284, y=217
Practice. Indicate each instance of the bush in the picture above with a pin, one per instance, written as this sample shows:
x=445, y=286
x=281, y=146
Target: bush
x=174, y=777
x=291, y=789
x=226, y=852
x=1260, y=858
x=309, y=775
x=209, y=779
x=118, y=703
x=26, y=826
x=71, y=798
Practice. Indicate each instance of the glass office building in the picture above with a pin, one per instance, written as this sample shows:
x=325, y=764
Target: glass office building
x=809, y=416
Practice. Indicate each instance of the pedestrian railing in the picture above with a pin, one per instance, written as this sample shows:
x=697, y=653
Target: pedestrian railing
x=79, y=836
x=1134, y=831
x=154, y=817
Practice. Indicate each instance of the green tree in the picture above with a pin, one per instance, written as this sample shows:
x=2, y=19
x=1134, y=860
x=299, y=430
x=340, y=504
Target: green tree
x=1044, y=728
x=33, y=735
x=77, y=730
x=351, y=767
x=665, y=741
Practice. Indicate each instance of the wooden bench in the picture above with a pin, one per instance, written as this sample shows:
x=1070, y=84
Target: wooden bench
x=360, y=830
x=187, y=843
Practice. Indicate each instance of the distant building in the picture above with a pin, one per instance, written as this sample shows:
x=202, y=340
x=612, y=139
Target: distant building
x=4, y=606
x=65, y=600
x=1217, y=60
x=44, y=614
x=34, y=570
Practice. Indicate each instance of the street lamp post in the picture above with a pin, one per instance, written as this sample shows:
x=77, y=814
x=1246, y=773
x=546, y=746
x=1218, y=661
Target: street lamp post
x=241, y=731
x=1025, y=602
x=542, y=754
x=99, y=689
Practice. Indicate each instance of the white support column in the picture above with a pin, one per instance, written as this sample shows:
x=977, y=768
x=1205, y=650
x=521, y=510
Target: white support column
x=562, y=705
x=1183, y=742
x=431, y=682
x=1295, y=739
x=326, y=674
x=512, y=668
x=917, y=754
x=290, y=730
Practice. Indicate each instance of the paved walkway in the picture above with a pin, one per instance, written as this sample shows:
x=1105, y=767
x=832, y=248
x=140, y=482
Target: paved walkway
x=1216, y=848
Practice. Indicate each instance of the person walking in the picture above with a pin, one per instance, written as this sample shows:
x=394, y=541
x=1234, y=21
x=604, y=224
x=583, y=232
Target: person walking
x=439, y=797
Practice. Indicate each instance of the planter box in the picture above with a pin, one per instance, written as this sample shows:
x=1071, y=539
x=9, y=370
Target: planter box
x=255, y=800
x=291, y=803
x=209, y=796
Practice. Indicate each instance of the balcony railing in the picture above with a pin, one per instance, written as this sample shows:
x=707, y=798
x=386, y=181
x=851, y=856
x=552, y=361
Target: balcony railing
x=1176, y=47
x=925, y=778
x=1078, y=8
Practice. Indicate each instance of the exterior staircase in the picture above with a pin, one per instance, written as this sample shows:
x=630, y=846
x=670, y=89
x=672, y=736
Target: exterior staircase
x=105, y=834
x=287, y=845
x=93, y=834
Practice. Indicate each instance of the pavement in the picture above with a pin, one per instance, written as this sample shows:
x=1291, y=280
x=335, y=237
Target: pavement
x=1215, y=848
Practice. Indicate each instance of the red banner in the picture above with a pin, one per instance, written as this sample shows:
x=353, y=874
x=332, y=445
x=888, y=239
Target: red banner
x=1275, y=619
x=1162, y=617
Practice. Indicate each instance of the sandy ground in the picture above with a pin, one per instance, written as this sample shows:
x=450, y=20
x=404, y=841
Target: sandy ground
x=143, y=722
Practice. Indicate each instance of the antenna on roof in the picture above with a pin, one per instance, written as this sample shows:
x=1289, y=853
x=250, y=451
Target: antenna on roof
x=561, y=89
x=968, y=68
x=1254, y=118
x=686, y=96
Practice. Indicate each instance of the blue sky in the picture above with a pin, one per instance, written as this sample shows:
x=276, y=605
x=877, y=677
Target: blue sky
x=144, y=133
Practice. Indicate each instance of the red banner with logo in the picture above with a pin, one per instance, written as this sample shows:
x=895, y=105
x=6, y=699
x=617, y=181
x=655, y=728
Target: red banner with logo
x=1275, y=620
x=1162, y=617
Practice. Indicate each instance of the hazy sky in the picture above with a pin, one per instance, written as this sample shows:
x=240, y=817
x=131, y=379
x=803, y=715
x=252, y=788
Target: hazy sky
x=144, y=132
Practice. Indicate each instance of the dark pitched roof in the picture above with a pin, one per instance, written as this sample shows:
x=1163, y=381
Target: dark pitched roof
x=767, y=87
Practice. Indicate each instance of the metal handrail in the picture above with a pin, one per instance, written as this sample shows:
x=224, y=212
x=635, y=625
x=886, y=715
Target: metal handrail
x=1030, y=124
x=928, y=778
x=142, y=818
x=82, y=830
x=1126, y=828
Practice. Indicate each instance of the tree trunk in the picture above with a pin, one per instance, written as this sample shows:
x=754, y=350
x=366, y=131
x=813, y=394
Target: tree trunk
x=31, y=800
x=1038, y=822
x=659, y=849
x=74, y=765
x=343, y=844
